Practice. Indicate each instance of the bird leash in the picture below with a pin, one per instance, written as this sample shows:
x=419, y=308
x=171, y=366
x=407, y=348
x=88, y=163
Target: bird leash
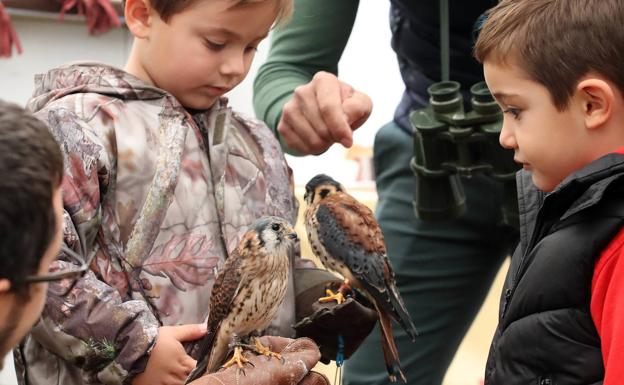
x=339, y=360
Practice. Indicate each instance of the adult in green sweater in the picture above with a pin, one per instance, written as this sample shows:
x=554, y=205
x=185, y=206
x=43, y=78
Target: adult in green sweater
x=443, y=270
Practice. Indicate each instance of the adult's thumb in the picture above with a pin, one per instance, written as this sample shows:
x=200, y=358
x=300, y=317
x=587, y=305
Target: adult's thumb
x=189, y=332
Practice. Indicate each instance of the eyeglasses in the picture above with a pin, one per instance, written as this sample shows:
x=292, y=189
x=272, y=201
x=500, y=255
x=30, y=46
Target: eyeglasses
x=64, y=279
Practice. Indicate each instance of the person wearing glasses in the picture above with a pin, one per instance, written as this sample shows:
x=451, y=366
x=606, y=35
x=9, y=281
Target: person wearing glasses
x=31, y=222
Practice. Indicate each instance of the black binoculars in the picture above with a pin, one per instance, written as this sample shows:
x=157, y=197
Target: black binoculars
x=450, y=143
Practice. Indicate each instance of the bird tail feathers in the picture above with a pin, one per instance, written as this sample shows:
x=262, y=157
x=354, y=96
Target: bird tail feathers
x=205, y=348
x=400, y=313
x=390, y=352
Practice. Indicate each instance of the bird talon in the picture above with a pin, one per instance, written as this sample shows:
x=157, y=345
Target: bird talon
x=263, y=350
x=331, y=296
x=237, y=359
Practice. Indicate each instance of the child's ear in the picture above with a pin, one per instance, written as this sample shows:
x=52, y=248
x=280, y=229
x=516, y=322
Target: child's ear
x=597, y=98
x=5, y=286
x=137, y=14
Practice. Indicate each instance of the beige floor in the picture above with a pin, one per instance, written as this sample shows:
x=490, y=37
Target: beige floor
x=469, y=362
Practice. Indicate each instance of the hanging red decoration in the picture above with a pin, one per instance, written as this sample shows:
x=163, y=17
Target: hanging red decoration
x=8, y=36
x=100, y=14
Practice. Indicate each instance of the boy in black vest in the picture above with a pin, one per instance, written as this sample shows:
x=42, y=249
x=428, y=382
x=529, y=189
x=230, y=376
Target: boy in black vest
x=555, y=68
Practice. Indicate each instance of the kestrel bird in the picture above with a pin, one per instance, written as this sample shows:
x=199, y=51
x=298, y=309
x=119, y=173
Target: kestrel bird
x=345, y=236
x=247, y=293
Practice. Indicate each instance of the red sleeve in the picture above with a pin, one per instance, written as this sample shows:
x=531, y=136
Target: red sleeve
x=607, y=308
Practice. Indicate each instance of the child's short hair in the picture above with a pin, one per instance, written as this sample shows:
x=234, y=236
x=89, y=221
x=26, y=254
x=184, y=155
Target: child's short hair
x=557, y=41
x=31, y=169
x=167, y=8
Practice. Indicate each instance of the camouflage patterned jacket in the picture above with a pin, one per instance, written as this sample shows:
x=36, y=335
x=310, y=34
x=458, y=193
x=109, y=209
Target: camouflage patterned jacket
x=160, y=197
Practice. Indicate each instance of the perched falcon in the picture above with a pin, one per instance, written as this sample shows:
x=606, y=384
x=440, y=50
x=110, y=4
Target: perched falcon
x=247, y=292
x=345, y=236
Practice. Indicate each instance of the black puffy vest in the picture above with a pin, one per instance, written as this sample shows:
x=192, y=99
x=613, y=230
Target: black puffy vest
x=545, y=334
x=415, y=26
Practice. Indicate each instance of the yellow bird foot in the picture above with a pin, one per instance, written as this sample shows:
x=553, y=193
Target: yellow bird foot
x=263, y=350
x=331, y=296
x=237, y=359
x=339, y=296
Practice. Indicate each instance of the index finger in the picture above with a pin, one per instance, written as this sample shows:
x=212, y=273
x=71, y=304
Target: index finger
x=189, y=363
x=274, y=343
x=329, y=99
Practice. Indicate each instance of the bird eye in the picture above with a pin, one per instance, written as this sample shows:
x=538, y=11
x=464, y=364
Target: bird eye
x=276, y=226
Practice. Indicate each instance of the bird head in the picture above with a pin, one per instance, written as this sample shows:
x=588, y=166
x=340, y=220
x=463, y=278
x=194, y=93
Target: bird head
x=320, y=187
x=274, y=234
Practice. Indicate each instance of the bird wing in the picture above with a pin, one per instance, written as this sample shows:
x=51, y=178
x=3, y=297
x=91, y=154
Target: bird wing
x=350, y=233
x=358, y=221
x=226, y=287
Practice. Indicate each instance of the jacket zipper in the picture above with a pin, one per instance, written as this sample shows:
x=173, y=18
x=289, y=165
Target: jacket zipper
x=514, y=283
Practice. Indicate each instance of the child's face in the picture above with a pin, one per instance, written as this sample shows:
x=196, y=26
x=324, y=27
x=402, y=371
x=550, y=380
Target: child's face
x=207, y=49
x=549, y=143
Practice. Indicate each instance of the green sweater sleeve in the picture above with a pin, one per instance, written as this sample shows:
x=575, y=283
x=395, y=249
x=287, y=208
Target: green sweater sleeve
x=312, y=41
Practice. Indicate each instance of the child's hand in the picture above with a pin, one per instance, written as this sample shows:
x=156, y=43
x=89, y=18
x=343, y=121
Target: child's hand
x=168, y=363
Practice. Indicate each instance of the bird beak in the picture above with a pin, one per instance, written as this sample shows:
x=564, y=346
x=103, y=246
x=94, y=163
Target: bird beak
x=292, y=234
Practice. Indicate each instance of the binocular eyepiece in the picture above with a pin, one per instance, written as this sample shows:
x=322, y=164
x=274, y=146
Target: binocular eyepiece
x=450, y=143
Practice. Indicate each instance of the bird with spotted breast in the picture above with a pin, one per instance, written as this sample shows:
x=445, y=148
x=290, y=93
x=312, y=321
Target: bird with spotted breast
x=345, y=236
x=247, y=293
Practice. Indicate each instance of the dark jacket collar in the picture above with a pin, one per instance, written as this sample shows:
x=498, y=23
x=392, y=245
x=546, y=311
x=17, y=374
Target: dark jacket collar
x=582, y=189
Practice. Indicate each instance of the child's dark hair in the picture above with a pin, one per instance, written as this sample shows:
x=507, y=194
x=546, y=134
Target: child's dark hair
x=556, y=42
x=31, y=169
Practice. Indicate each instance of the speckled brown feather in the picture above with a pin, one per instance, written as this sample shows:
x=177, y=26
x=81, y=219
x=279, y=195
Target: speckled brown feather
x=226, y=286
x=346, y=237
x=358, y=222
x=361, y=255
x=245, y=297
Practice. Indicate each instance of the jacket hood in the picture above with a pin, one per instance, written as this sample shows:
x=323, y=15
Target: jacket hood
x=89, y=78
